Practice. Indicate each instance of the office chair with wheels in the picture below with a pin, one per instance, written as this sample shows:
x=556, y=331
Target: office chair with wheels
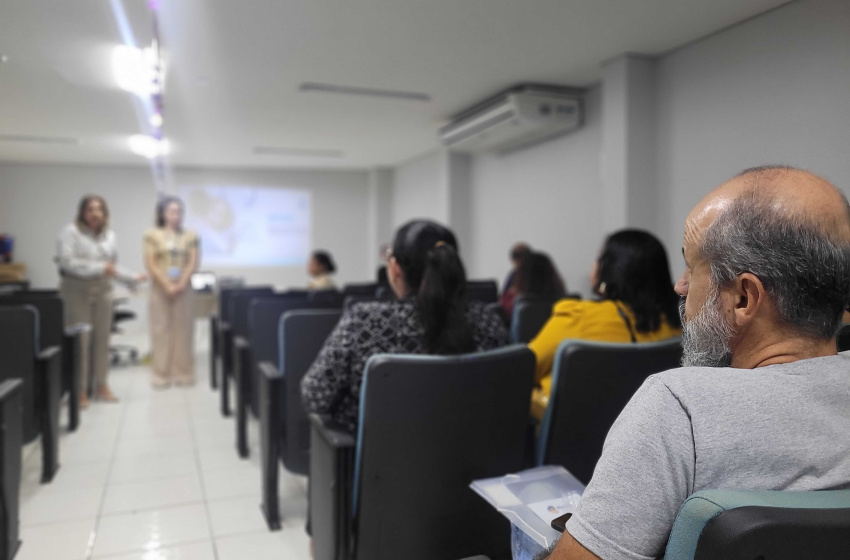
x=117, y=351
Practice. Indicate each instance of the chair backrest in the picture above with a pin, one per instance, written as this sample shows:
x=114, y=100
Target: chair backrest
x=761, y=524
x=592, y=382
x=530, y=315
x=11, y=441
x=264, y=316
x=842, y=340
x=330, y=298
x=485, y=291
x=19, y=347
x=13, y=287
x=429, y=426
x=359, y=290
x=51, y=314
x=352, y=300
x=241, y=301
x=226, y=294
x=302, y=335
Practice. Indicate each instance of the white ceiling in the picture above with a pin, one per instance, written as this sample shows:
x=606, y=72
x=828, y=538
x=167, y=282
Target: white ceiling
x=235, y=67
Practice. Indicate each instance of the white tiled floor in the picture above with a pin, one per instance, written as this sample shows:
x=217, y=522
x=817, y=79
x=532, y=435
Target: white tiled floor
x=156, y=477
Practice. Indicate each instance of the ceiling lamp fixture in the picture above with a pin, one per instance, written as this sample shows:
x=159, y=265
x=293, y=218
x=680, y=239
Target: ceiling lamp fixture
x=367, y=92
x=148, y=146
x=139, y=71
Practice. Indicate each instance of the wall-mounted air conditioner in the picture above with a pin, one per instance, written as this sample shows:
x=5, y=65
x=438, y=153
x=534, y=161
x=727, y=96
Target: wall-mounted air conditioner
x=516, y=118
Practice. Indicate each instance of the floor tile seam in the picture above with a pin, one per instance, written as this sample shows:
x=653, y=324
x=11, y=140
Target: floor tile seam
x=121, y=418
x=164, y=547
x=199, y=470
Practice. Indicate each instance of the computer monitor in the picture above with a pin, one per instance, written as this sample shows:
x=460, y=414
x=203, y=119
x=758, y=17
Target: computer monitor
x=203, y=281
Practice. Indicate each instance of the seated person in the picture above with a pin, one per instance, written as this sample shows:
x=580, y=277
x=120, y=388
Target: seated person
x=762, y=402
x=321, y=267
x=637, y=304
x=537, y=277
x=431, y=316
x=518, y=252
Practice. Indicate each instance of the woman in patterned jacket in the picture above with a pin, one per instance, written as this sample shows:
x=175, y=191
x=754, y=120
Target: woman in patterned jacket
x=430, y=316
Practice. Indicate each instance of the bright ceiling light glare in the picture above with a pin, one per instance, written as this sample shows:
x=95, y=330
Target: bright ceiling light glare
x=156, y=120
x=137, y=70
x=148, y=146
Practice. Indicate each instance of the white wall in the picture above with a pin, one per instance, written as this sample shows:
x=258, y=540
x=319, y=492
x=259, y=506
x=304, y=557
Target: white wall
x=548, y=195
x=420, y=189
x=775, y=89
x=37, y=200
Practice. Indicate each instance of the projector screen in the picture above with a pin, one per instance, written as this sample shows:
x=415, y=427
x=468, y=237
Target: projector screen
x=249, y=226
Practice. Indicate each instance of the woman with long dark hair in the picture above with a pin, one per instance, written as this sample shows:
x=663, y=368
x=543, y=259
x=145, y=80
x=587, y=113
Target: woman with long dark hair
x=636, y=303
x=538, y=277
x=171, y=256
x=430, y=316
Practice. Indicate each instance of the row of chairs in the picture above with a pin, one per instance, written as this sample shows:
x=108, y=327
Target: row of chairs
x=39, y=358
x=429, y=426
x=480, y=430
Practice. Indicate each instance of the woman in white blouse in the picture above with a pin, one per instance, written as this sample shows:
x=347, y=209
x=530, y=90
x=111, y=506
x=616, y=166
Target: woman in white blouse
x=87, y=257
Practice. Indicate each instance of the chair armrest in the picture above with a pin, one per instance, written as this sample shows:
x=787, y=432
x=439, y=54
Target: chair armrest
x=11, y=440
x=333, y=434
x=271, y=392
x=71, y=347
x=242, y=375
x=332, y=453
x=48, y=395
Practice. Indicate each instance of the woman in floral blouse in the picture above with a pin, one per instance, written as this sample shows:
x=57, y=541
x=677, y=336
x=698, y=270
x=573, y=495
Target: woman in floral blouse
x=430, y=316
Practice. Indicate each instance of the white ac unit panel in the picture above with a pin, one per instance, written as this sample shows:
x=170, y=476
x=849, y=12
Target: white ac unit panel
x=514, y=120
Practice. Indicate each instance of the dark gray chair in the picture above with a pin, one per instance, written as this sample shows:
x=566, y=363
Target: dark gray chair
x=529, y=317
x=261, y=343
x=485, y=291
x=592, y=382
x=353, y=300
x=761, y=525
x=369, y=289
x=429, y=426
x=328, y=299
x=52, y=332
x=11, y=441
x=284, y=426
x=22, y=357
x=225, y=333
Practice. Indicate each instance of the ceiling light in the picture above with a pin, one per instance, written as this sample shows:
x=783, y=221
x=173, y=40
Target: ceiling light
x=297, y=152
x=4, y=58
x=137, y=70
x=351, y=90
x=148, y=146
x=156, y=120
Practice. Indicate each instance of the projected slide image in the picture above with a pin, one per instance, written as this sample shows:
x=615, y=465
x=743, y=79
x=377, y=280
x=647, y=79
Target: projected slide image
x=249, y=226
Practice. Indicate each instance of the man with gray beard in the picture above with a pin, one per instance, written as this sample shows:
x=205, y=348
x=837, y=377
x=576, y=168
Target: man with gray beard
x=763, y=400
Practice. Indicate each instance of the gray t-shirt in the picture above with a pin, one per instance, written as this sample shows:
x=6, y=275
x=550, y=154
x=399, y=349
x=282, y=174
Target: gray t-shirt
x=782, y=427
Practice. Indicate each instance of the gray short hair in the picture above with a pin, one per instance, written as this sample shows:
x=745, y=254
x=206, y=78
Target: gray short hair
x=803, y=268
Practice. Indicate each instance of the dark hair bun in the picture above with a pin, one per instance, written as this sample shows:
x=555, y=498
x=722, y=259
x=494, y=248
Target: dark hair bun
x=325, y=260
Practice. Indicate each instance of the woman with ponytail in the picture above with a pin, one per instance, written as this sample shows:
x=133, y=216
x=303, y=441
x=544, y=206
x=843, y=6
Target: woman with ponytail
x=430, y=316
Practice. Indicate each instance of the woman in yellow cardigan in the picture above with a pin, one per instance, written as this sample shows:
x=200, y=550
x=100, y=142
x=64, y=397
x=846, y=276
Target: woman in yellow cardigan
x=637, y=304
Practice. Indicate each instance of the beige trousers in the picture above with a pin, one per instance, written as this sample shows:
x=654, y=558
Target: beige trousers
x=90, y=301
x=172, y=336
